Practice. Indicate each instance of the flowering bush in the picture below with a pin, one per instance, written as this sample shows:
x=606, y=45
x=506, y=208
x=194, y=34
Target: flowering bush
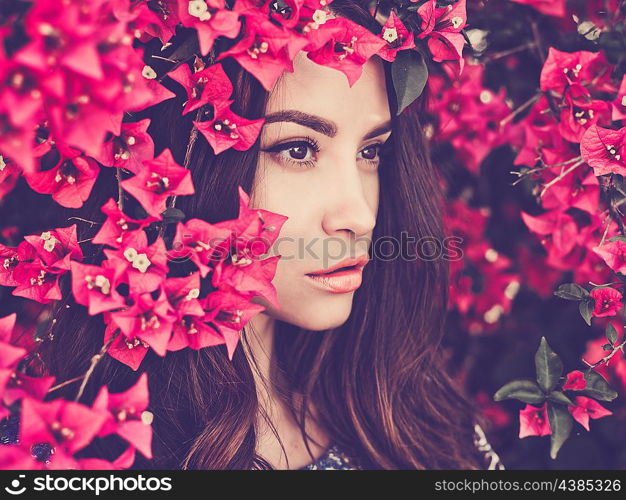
x=530, y=138
x=526, y=122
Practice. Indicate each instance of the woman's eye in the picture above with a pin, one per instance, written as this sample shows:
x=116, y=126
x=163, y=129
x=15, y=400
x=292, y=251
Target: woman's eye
x=299, y=152
x=370, y=152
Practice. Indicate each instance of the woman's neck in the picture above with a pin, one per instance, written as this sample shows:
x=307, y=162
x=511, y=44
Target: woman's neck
x=275, y=414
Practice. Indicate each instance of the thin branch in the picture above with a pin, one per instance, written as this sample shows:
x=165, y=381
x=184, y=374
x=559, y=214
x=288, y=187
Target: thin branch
x=173, y=61
x=538, y=42
x=193, y=136
x=606, y=358
x=519, y=109
x=606, y=230
x=505, y=53
x=558, y=178
x=94, y=362
x=120, y=193
x=67, y=382
x=85, y=220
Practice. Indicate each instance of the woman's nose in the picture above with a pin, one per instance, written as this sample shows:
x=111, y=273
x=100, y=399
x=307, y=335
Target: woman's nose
x=351, y=204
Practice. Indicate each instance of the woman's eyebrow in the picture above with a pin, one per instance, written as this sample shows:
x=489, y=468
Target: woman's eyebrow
x=318, y=123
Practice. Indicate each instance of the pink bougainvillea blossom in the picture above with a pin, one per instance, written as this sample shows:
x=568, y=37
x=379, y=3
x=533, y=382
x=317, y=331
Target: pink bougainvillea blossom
x=158, y=180
x=587, y=408
x=604, y=150
x=344, y=45
x=228, y=130
x=575, y=381
x=533, y=421
x=397, y=37
x=608, y=301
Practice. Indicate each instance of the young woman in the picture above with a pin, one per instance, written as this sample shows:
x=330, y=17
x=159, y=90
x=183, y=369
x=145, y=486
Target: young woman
x=348, y=372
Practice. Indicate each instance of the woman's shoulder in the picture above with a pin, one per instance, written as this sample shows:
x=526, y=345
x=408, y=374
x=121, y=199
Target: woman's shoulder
x=492, y=460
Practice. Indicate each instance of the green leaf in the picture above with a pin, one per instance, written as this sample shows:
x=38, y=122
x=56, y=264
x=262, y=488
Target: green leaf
x=618, y=238
x=611, y=333
x=559, y=397
x=548, y=366
x=585, y=307
x=186, y=49
x=561, y=423
x=409, y=74
x=613, y=45
x=172, y=214
x=571, y=291
x=607, y=347
x=597, y=387
x=522, y=389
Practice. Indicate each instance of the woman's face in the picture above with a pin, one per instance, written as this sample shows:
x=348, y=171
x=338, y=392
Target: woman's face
x=318, y=166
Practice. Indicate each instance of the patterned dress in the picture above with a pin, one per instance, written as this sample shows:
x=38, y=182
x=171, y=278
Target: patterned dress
x=334, y=459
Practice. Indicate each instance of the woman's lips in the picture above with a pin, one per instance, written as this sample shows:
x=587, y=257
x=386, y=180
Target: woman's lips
x=344, y=281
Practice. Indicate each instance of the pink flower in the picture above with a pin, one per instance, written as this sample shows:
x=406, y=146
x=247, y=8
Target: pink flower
x=586, y=408
x=131, y=352
x=577, y=115
x=575, y=381
x=574, y=72
x=254, y=230
x=533, y=421
x=211, y=19
x=287, y=13
x=145, y=266
x=230, y=312
x=266, y=50
x=443, y=28
x=159, y=23
x=604, y=150
x=210, y=85
x=554, y=8
x=130, y=149
x=228, y=130
x=21, y=385
x=96, y=286
x=118, y=226
x=192, y=327
x=70, y=181
x=37, y=282
x=158, y=180
x=10, y=356
x=558, y=230
x=126, y=415
x=579, y=189
x=66, y=426
x=11, y=257
x=397, y=37
x=608, y=301
x=57, y=247
x=344, y=45
x=148, y=320
x=248, y=278
x=200, y=241
x=614, y=255
x=9, y=174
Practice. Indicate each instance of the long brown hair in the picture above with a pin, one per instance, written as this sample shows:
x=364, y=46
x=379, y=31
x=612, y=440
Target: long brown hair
x=378, y=384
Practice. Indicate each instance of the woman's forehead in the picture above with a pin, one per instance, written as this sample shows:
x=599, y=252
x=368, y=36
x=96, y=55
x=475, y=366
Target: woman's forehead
x=324, y=91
